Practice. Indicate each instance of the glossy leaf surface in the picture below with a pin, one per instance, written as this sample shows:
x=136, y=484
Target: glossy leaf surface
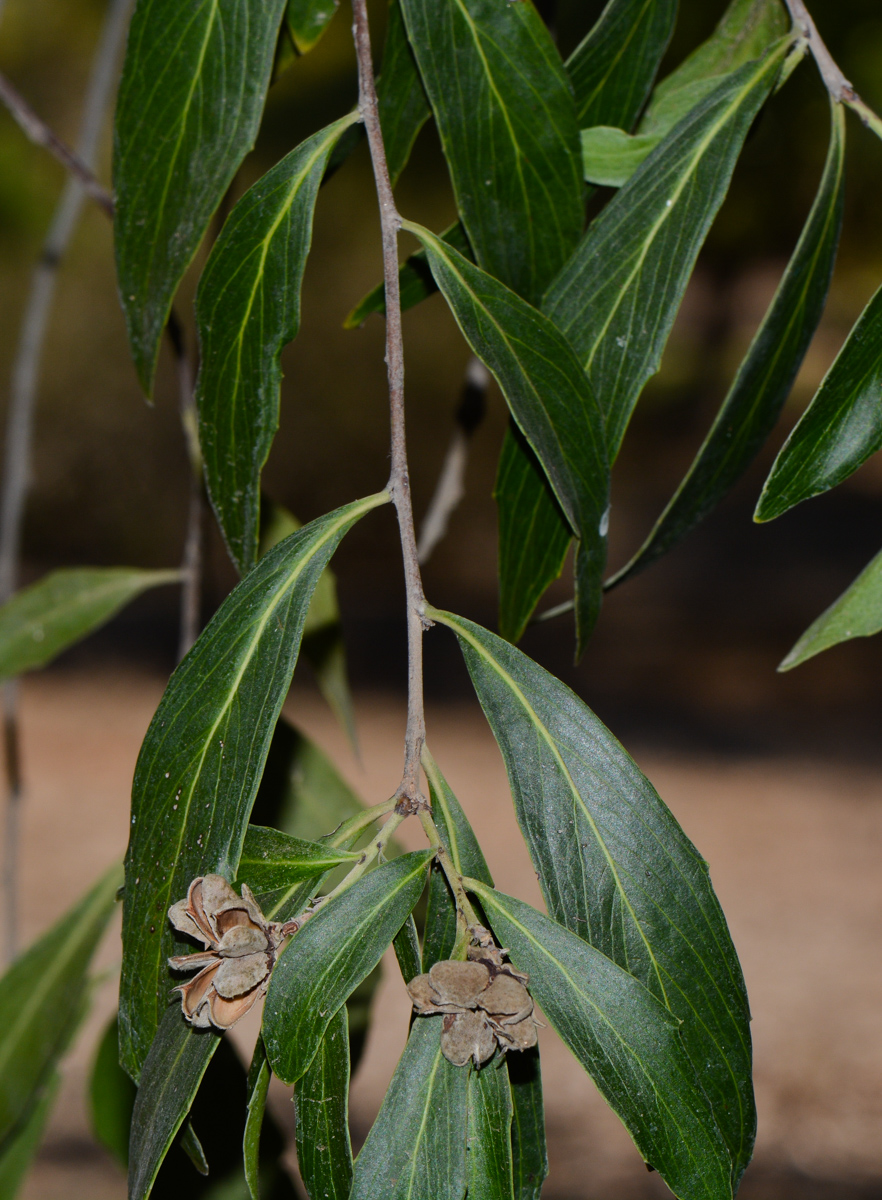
x=259, y=1075
x=307, y=20
x=626, y=1040
x=529, y=1154
x=612, y=69
x=187, y=114
x=491, y=1175
x=616, y=868
x=321, y=1101
x=404, y=108
x=17, y=1152
x=271, y=860
x=417, y=1145
x=331, y=955
x=507, y=122
x=201, y=760
x=857, y=613
x=766, y=375
x=549, y=397
x=62, y=608
x=617, y=297
x=247, y=310
x=840, y=429
x=42, y=997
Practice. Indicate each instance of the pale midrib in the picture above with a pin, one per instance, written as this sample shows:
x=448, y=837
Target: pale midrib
x=430, y=1090
x=88, y=599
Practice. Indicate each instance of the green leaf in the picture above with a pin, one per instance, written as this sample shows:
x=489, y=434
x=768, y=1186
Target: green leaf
x=259, y=1075
x=533, y=534
x=417, y=1145
x=307, y=20
x=746, y=30
x=42, y=1000
x=331, y=955
x=626, y=1040
x=170, y=1078
x=111, y=1097
x=549, y=397
x=491, y=1174
x=617, y=297
x=187, y=114
x=406, y=945
x=62, y=608
x=321, y=1101
x=530, y=1157
x=415, y=280
x=610, y=156
x=200, y=764
x=857, y=613
x=616, y=868
x=766, y=375
x=841, y=427
x=18, y=1150
x=192, y=1147
x=404, y=108
x=271, y=862
x=612, y=69
x=247, y=310
x=507, y=123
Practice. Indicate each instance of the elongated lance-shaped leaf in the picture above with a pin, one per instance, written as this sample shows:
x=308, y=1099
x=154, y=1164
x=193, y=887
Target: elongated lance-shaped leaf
x=173, y=1069
x=507, y=122
x=406, y=945
x=42, y=998
x=616, y=868
x=626, y=1040
x=404, y=108
x=247, y=310
x=839, y=430
x=491, y=1174
x=259, y=1075
x=610, y=156
x=62, y=608
x=857, y=613
x=417, y=1145
x=612, y=69
x=187, y=114
x=200, y=764
x=766, y=376
x=617, y=297
x=307, y=20
x=272, y=861
x=111, y=1097
x=331, y=955
x=529, y=1153
x=549, y=397
x=415, y=279
x=321, y=1101
x=18, y=1150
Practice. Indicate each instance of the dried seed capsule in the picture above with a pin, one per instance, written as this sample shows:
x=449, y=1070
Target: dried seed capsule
x=459, y=983
x=467, y=1036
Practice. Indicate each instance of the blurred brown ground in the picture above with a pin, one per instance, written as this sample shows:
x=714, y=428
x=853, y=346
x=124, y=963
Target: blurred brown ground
x=793, y=844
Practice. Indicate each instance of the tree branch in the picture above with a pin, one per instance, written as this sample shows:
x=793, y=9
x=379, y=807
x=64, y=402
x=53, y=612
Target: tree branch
x=410, y=795
x=835, y=82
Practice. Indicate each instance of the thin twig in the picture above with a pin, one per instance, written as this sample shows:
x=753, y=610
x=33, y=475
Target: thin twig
x=835, y=82
x=450, y=488
x=20, y=419
x=411, y=798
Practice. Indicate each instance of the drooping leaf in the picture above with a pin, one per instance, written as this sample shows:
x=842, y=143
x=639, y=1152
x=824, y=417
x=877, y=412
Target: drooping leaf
x=415, y=279
x=626, y=1040
x=417, y=1145
x=616, y=868
x=491, y=1175
x=549, y=397
x=201, y=761
x=404, y=108
x=406, y=945
x=172, y=1071
x=21, y=1145
x=765, y=377
x=111, y=1097
x=507, y=123
x=187, y=114
x=272, y=861
x=191, y=1146
x=307, y=20
x=617, y=297
x=529, y=1154
x=259, y=1075
x=321, y=1101
x=857, y=613
x=331, y=955
x=839, y=430
x=610, y=156
x=62, y=608
x=247, y=310
x=612, y=69
x=42, y=1000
